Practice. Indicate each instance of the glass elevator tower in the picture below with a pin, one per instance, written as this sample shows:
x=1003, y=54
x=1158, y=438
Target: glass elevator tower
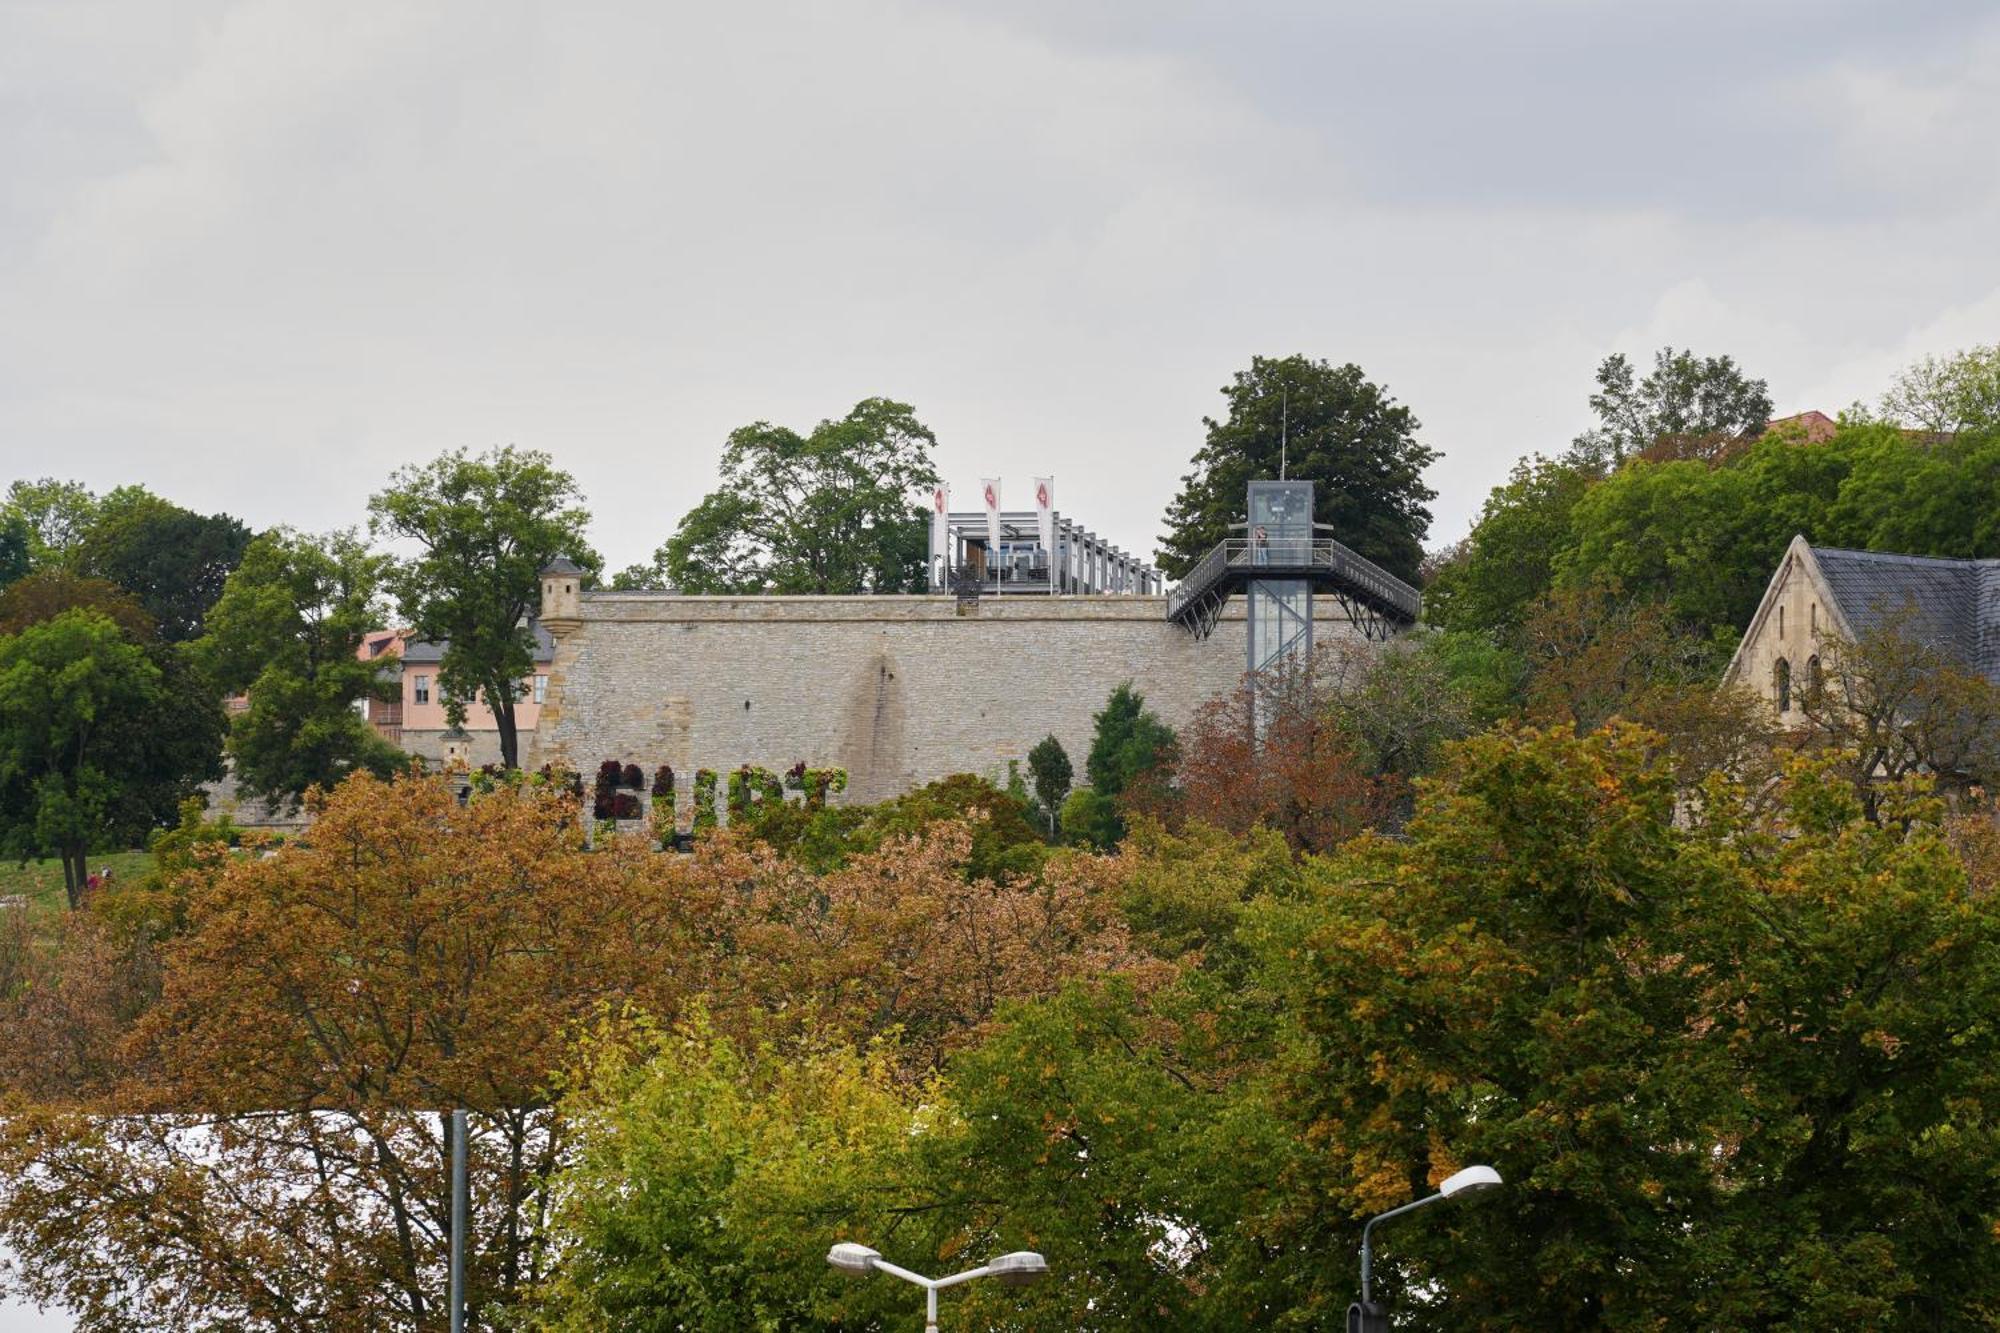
x=1280, y=540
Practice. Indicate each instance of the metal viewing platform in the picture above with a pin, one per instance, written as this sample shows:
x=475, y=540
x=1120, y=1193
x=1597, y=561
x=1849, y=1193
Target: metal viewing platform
x=1376, y=601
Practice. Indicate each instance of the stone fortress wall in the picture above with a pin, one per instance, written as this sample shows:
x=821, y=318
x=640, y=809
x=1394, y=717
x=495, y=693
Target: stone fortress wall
x=897, y=690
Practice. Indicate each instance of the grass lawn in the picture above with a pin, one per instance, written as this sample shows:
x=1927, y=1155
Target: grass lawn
x=42, y=881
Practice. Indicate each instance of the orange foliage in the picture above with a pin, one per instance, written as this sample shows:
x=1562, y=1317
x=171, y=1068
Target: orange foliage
x=1271, y=753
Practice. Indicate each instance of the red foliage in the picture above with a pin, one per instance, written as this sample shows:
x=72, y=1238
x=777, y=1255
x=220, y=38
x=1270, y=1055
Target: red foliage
x=1275, y=756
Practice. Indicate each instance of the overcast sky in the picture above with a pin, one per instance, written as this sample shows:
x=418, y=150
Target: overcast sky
x=257, y=253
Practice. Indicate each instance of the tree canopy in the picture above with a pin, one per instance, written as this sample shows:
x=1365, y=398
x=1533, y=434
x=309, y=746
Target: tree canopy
x=1953, y=394
x=171, y=559
x=99, y=739
x=1687, y=406
x=56, y=515
x=1331, y=425
x=1704, y=536
x=485, y=526
x=286, y=633
x=831, y=511
x=1131, y=755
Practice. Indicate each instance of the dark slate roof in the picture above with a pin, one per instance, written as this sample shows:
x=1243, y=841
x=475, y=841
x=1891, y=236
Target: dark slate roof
x=424, y=651
x=1953, y=605
x=562, y=564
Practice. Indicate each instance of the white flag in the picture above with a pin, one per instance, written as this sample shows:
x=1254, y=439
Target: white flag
x=1045, y=522
x=990, y=486
x=940, y=538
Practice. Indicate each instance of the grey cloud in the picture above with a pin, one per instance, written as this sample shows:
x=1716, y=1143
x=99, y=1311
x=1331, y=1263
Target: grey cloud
x=260, y=256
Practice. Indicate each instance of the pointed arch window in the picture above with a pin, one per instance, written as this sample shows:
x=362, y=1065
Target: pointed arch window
x=1815, y=679
x=1781, y=681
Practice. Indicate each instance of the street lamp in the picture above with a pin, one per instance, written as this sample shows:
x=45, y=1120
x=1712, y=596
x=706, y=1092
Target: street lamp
x=1023, y=1268
x=1367, y=1317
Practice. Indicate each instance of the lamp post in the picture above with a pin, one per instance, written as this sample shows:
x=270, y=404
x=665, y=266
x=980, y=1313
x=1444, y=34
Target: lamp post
x=1365, y=1316
x=1023, y=1268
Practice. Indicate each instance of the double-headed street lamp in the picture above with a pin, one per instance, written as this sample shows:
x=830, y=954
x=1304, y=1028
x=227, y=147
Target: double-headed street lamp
x=1367, y=1317
x=1020, y=1269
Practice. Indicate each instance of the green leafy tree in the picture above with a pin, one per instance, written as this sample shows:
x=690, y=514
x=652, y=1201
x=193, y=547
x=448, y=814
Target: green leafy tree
x=1509, y=559
x=1131, y=753
x=1953, y=394
x=1331, y=425
x=286, y=632
x=16, y=547
x=73, y=695
x=172, y=559
x=827, y=512
x=57, y=516
x=1050, y=771
x=1694, y=407
x=708, y=1182
x=485, y=526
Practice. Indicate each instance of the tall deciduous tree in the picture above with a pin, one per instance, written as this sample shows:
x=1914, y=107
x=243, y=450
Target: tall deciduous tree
x=1508, y=561
x=1694, y=406
x=485, y=527
x=286, y=632
x=172, y=559
x=57, y=516
x=1318, y=421
x=75, y=699
x=827, y=512
x=274, y=1158
x=1953, y=394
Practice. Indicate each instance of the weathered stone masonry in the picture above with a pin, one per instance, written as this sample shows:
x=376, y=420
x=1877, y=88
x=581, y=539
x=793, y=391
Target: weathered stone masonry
x=898, y=691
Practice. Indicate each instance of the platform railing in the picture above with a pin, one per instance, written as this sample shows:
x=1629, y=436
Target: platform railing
x=1296, y=557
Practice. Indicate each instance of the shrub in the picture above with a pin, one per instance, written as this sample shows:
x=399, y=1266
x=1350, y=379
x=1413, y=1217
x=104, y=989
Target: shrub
x=815, y=783
x=704, y=800
x=632, y=777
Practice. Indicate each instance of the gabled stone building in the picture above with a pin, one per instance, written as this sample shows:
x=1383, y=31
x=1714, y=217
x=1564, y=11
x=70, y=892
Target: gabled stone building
x=1822, y=595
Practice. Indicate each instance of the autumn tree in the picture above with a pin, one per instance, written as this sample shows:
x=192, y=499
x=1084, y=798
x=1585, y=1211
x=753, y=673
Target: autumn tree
x=46, y=594
x=484, y=527
x=1895, y=702
x=276, y=1157
x=1273, y=754
x=1310, y=420
x=830, y=511
x=286, y=633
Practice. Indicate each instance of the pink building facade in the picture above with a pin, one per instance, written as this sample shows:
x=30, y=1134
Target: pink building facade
x=416, y=719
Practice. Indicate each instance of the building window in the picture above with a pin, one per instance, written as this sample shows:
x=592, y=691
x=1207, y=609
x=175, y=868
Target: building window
x=1782, y=680
x=1781, y=622
x=541, y=689
x=423, y=692
x=1815, y=679
x=1812, y=620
